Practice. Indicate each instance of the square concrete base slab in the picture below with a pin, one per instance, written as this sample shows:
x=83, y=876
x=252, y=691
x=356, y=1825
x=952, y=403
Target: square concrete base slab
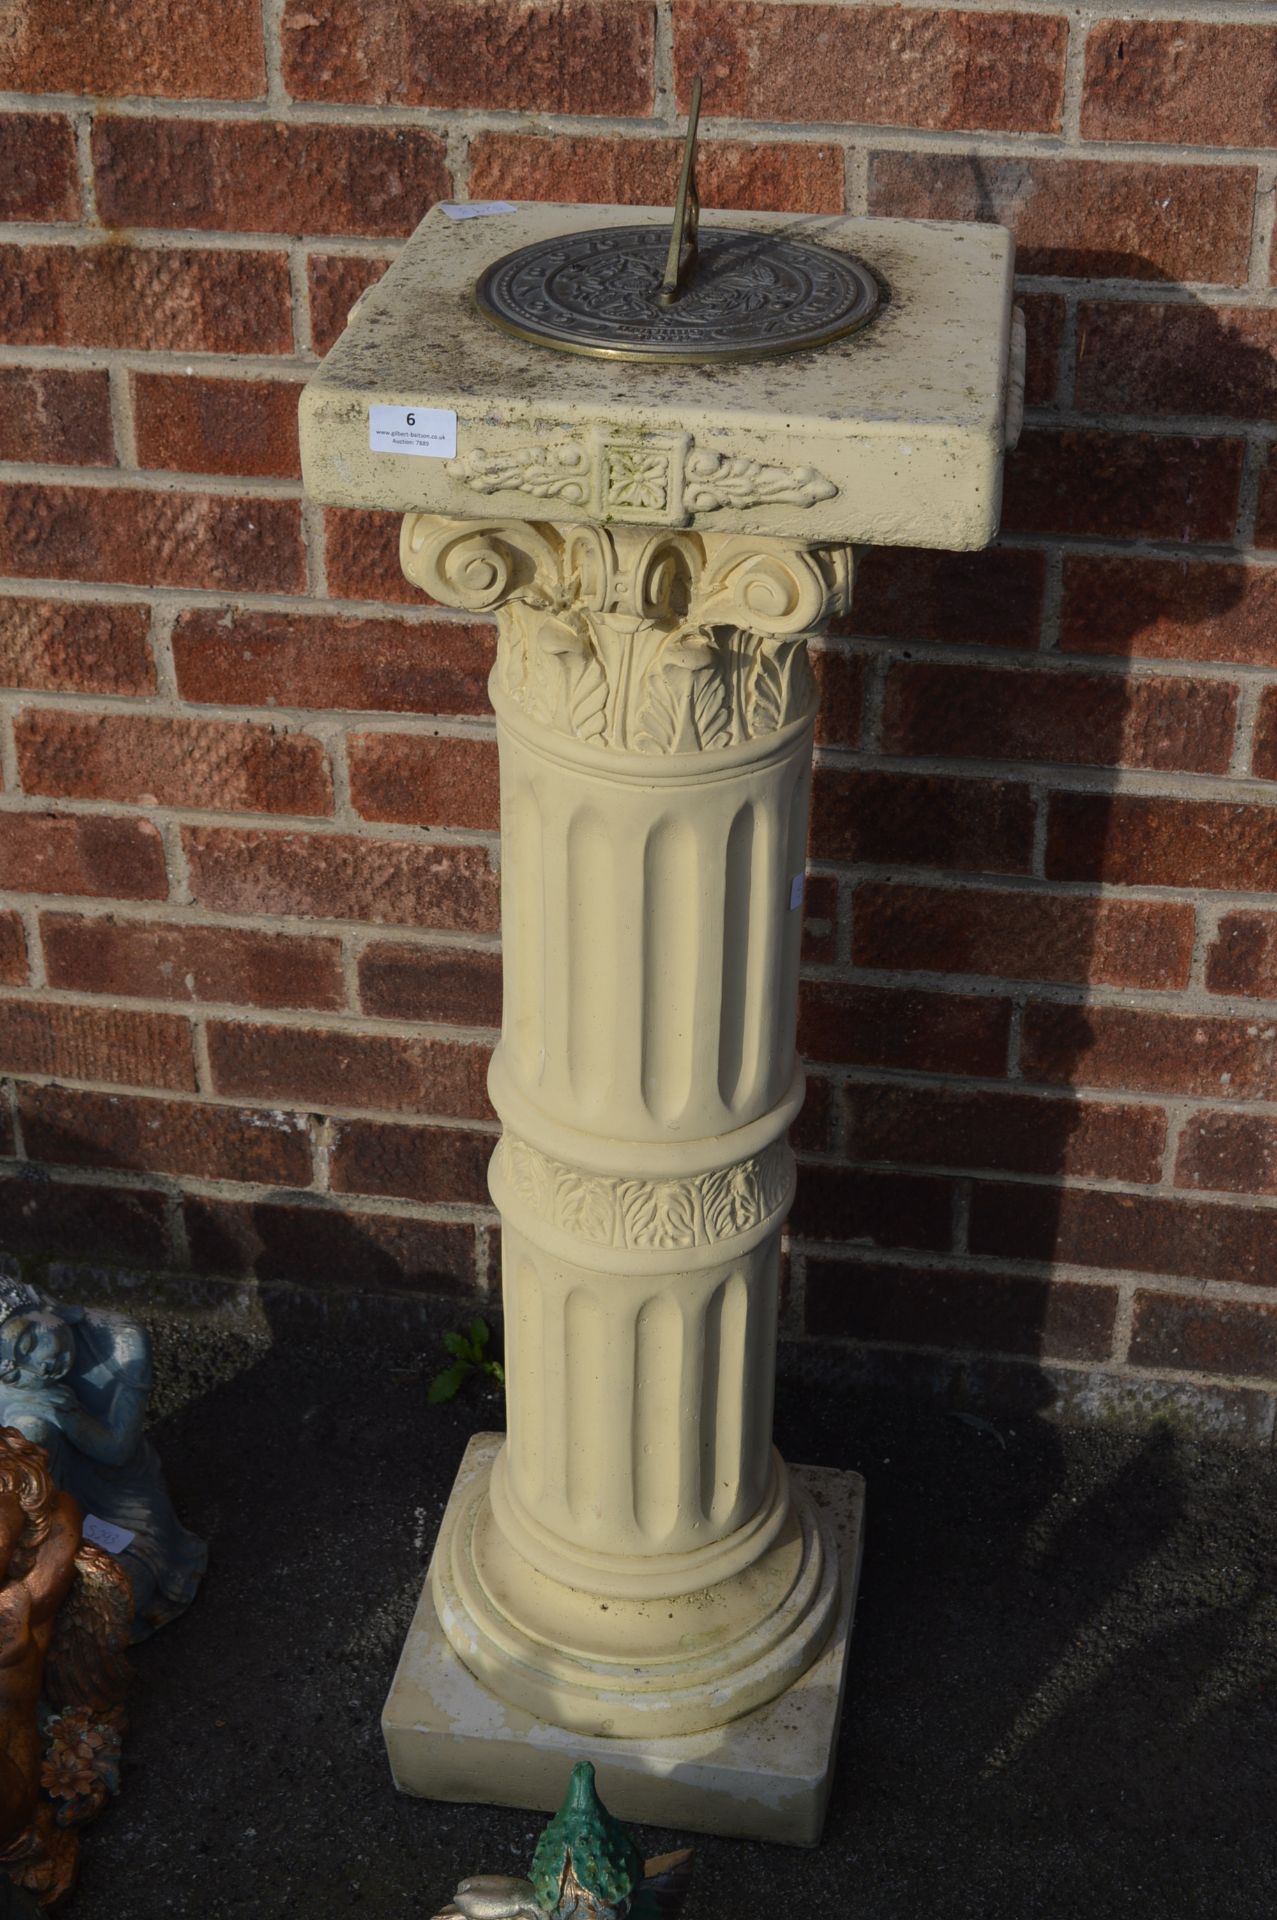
x=765, y=1776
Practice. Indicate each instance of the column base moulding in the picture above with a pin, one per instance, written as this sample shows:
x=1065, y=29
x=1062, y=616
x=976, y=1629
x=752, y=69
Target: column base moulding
x=763, y=1774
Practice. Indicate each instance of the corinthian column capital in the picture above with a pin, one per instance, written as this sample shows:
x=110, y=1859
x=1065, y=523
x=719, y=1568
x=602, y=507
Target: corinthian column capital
x=652, y=643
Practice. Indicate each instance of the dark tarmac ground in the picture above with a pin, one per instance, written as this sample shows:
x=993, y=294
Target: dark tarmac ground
x=1062, y=1699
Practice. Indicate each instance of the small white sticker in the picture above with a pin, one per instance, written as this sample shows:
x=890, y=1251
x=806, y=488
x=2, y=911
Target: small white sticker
x=796, y=886
x=431, y=431
x=474, y=209
x=101, y=1532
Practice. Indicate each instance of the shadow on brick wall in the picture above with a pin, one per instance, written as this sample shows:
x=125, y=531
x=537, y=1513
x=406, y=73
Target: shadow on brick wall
x=991, y=1139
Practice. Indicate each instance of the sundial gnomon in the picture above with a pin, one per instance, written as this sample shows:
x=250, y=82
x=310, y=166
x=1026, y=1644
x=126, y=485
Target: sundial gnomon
x=678, y=293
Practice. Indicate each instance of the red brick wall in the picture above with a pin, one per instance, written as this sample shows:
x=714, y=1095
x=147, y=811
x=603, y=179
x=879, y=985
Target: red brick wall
x=249, y=932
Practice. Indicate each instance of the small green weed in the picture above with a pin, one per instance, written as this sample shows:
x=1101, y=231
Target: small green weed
x=469, y=1355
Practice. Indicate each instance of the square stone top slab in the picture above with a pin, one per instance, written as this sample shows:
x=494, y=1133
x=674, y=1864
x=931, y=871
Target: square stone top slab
x=890, y=436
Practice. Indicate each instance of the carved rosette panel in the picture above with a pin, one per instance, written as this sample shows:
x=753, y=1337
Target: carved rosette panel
x=699, y=1211
x=647, y=642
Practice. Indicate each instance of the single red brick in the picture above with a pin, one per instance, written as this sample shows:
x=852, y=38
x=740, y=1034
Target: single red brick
x=324, y=661
x=459, y=987
x=73, y=1128
x=1027, y=936
x=1146, y=358
x=872, y=1209
x=84, y=854
x=329, y=876
x=266, y=177
x=334, y=283
x=154, y=539
x=820, y=919
x=1263, y=762
x=332, y=1068
x=1044, y=329
x=1129, y=1047
x=924, y=1032
x=89, y=1223
x=1180, y=81
x=1084, y=219
x=812, y=1131
x=1228, y=1337
x=56, y=415
x=96, y=1043
x=438, y=1165
x=1005, y=1132
x=13, y=951
x=1010, y=713
x=990, y=599
x=1132, y=1232
x=895, y=66
x=424, y=780
x=1139, y=840
x=921, y=820
x=960, y=1309
x=320, y=1245
x=157, y=961
x=185, y=49
x=772, y=177
x=361, y=553
x=1129, y=484
x=1228, y=1152
x=555, y=56
x=72, y=646
x=840, y=678
x=1242, y=958
x=1266, y=511
x=224, y=765
x=174, y=299
x=1169, y=609
x=193, y=425
x=38, y=178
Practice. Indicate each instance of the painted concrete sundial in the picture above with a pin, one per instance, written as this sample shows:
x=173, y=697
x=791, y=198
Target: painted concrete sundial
x=652, y=293
x=631, y=1574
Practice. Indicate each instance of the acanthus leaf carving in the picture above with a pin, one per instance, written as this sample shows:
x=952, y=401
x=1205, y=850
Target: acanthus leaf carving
x=656, y=643
x=558, y=472
x=653, y=1214
x=584, y=1206
x=712, y=480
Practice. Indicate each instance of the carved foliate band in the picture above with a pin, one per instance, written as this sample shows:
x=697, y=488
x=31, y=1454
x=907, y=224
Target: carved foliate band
x=698, y=1211
x=657, y=643
x=659, y=477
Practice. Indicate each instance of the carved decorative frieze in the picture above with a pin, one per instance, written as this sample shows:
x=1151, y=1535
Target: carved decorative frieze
x=666, y=1214
x=657, y=643
x=659, y=477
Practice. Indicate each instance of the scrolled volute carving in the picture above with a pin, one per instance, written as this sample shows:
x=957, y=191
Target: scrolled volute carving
x=649, y=642
x=478, y=565
x=777, y=589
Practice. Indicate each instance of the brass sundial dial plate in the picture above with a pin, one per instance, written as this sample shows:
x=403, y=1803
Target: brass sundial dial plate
x=750, y=295
x=675, y=294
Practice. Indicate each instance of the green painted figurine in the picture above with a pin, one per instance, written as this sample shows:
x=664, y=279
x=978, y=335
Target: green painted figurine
x=585, y=1864
x=585, y=1867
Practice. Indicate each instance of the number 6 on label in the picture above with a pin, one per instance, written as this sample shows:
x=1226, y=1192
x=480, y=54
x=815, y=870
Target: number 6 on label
x=426, y=431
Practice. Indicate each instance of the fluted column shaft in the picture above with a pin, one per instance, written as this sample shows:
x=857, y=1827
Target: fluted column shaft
x=655, y=712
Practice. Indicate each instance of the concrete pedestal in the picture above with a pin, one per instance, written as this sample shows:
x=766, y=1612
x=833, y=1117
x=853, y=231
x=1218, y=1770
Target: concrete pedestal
x=633, y=1573
x=766, y=1777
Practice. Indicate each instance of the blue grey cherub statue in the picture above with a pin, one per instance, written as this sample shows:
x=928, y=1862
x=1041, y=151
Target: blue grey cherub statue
x=77, y=1381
